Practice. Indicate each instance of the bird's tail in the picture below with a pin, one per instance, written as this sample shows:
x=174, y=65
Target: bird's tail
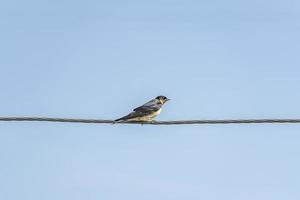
x=119, y=120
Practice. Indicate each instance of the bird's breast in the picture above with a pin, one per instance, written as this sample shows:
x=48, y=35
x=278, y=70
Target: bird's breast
x=154, y=114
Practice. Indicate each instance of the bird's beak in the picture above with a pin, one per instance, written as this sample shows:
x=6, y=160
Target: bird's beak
x=168, y=99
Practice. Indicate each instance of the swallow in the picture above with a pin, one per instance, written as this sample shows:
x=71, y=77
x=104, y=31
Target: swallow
x=146, y=112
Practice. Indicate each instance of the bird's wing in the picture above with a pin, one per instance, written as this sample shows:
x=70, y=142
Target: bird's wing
x=130, y=116
x=150, y=106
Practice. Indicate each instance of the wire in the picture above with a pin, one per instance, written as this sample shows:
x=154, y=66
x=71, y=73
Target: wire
x=176, y=122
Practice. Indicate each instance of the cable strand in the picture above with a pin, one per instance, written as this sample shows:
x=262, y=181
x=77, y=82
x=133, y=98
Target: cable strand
x=173, y=122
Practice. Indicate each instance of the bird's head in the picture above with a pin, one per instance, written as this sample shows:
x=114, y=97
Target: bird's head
x=162, y=99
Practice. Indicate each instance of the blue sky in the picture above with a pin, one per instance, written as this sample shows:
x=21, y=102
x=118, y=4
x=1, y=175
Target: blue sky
x=100, y=59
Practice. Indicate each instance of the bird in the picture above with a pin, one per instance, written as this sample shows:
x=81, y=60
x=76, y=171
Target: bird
x=146, y=112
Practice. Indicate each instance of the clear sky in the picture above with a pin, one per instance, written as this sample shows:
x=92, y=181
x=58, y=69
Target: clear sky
x=100, y=59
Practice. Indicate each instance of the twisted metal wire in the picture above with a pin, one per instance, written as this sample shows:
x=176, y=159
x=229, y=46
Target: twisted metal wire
x=174, y=122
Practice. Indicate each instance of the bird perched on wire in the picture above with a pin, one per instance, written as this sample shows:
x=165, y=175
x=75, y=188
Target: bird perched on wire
x=146, y=112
